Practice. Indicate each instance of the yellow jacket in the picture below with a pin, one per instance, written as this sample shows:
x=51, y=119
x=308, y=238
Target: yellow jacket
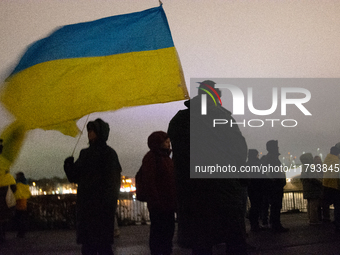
x=23, y=191
x=331, y=177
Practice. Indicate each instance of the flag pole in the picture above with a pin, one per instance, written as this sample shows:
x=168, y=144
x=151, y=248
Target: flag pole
x=81, y=133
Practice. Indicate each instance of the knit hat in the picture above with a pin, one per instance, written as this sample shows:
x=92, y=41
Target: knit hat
x=204, y=84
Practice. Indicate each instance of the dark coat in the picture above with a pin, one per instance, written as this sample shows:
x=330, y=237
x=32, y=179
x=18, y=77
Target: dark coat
x=97, y=173
x=210, y=211
x=158, y=170
x=258, y=181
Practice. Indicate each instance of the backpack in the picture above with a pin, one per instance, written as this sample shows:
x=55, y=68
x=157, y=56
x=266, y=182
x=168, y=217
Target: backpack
x=141, y=189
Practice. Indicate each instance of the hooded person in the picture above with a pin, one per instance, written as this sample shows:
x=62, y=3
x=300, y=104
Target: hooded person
x=158, y=171
x=276, y=183
x=97, y=172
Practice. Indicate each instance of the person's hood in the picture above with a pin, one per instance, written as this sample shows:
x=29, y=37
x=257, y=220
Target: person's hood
x=307, y=158
x=156, y=139
x=101, y=128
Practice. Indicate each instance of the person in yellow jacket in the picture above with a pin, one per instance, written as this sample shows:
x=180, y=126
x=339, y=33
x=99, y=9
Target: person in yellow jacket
x=6, y=213
x=21, y=195
x=330, y=182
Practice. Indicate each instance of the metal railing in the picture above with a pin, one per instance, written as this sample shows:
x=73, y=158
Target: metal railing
x=293, y=201
x=130, y=211
x=58, y=211
x=52, y=211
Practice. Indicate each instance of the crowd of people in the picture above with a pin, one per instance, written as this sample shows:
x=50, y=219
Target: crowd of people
x=212, y=211
x=209, y=211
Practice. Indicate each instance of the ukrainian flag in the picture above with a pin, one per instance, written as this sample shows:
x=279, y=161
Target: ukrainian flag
x=102, y=65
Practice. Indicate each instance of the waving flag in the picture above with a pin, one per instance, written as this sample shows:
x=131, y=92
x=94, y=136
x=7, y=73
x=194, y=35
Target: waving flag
x=106, y=64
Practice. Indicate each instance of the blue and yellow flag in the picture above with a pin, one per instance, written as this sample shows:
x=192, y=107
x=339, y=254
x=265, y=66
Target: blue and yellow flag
x=106, y=64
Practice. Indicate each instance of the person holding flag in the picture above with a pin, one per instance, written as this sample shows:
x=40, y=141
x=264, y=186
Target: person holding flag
x=97, y=173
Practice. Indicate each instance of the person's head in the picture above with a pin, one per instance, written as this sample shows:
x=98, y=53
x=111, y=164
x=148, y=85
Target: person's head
x=338, y=145
x=97, y=131
x=306, y=158
x=335, y=151
x=317, y=160
x=272, y=146
x=252, y=154
x=20, y=177
x=207, y=85
x=159, y=140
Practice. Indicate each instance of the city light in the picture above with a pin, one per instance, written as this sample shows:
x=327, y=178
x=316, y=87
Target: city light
x=127, y=185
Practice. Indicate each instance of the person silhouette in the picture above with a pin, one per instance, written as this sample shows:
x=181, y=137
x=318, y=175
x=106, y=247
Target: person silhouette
x=158, y=173
x=97, y=172
x=210, y=210
x=276, y=183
